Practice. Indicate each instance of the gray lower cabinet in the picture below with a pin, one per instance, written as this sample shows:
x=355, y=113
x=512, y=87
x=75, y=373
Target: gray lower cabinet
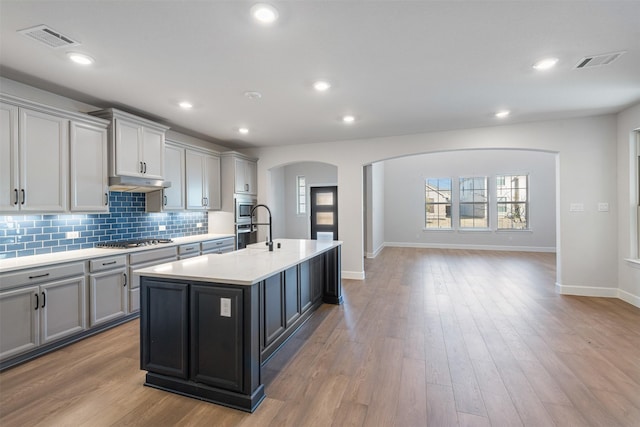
x=36, y=315
x=108, y=291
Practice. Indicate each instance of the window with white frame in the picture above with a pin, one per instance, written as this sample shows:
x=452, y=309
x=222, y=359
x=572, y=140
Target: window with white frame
x=512, y=195
x=437, y=202
x=473, y=206
x=301, y=194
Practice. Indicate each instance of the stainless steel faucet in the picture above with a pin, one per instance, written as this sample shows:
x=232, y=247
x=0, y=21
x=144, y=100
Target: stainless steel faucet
x=270, y=240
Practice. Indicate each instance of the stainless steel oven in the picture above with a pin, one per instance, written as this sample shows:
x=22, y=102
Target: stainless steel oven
x=245, y=235
x=244, y=205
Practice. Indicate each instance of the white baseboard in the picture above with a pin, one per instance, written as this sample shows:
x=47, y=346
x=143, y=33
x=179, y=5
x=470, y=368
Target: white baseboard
x=353, y=275
x=597, y=291
x=471, y=247
x=375, y=253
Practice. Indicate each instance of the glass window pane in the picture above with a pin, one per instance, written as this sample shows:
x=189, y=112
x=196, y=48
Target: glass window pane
x=324, y=218
x=324, y=199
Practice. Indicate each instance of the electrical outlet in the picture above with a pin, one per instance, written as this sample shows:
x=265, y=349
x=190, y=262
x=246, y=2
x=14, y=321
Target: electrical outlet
x=603, y=207
x=199, y=225
x=576, y=207
x=162, y=228
x=72, y=234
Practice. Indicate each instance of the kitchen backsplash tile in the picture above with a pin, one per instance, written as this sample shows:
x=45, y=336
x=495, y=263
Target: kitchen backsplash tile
x=24, y=235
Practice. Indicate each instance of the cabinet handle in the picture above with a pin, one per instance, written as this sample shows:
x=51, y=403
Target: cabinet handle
x=141, y=171
x=109, y=263
x=145, y=166
x=189, y=249
x=165, y=200
x=125, y=280
x=246, y=187
x=37, y=302
x=106, y=199
x=38, y=276
x=24, y=196
x=16, y=191
x=44, y=299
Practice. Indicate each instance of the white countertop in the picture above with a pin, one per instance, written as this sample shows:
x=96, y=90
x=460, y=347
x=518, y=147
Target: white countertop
x=243, y=267
x=19, y=263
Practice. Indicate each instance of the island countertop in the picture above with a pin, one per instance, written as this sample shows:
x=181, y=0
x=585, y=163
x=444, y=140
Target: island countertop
x=243, y=267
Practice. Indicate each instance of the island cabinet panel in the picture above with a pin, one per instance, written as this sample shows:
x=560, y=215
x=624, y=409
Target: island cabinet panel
x=317, y=276
x=291, y=300
x=164, y=329
x=305, y=286
x=273, y=308
x=217, y=323
x=332, y=293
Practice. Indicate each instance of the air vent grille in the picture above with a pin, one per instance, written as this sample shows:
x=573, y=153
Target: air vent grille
x=598, y=60
x=49, y=37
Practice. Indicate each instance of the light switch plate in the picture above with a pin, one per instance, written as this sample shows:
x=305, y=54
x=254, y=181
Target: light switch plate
x=225, y=307
x=162, y=228
x=72, y=234
x=576, y=207
x=603, y=207
x=198, y=224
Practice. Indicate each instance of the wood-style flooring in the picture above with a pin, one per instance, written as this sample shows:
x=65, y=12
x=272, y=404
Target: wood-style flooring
x=430, y=338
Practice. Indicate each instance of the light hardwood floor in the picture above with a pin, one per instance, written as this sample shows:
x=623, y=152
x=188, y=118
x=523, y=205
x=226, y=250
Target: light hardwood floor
x=430, y=338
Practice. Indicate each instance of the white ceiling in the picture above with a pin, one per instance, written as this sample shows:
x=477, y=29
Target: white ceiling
x=401, y=67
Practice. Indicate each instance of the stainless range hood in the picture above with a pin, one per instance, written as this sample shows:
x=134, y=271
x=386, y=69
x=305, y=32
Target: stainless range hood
x=136, y=184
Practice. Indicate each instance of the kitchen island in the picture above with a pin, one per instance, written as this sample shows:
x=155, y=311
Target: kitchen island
x=208, y=324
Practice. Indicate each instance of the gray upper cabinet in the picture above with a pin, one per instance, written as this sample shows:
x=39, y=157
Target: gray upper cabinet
x=203, y=180
x=136, y=145
x=245, y=176
x=35, y=150
x=89, y=187
x=172, y=198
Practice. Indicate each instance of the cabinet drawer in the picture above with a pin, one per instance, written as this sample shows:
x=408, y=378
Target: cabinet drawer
x=152, y=255
x=107, y=263
x=212, y=245
x=189, y=250
x=39, y=275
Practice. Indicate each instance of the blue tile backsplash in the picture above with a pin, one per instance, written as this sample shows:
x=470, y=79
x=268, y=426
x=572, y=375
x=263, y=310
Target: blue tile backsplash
x=24, y=235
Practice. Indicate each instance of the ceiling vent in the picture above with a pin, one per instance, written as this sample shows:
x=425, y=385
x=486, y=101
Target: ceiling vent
x=598, y=60
x=49, y=37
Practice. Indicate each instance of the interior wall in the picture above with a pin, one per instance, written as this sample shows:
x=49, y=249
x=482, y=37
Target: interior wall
x=294, y=225
x=378, y=210
x=586, y=147
x=404, y=203
x=629, y=198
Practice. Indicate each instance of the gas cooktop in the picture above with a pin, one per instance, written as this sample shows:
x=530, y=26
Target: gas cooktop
x=134, y=243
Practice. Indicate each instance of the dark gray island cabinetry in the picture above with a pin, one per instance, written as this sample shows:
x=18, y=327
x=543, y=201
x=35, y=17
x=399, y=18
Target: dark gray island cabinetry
x=209, y=323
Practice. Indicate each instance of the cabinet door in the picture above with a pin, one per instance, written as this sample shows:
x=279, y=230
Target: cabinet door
x=217, y=323
x=195, y=180
x=291, y=300
x=164, y=327
x=251, y=177
x=273, y=313
x=174, y=173
x=241, y=185
x=9, y=185
x=108, y=295
x=152, y=153
x=44, y=153
x=305, y=286
x=19, y=324
x=89, y=175
x=212, y=182
x=63, y=308
x=316, y=274
x=128, y=140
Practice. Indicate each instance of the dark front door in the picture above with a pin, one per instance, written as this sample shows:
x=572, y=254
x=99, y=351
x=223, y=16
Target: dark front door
x=324, y=211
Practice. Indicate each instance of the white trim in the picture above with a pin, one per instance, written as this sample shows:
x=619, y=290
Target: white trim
x=599, y=292
x=550, y=249
x=633, y=262
x=375, y=253
x=353, y=275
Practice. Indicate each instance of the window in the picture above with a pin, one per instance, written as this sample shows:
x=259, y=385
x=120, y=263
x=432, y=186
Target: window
x=474, y=203
x=438, y=203
x=301, y=194
x=512, y=193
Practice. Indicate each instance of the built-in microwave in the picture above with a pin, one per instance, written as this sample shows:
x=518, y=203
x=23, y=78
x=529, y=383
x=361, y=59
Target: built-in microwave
x=244, y=206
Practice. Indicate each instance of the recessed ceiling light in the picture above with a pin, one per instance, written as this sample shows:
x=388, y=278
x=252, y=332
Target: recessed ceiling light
x=80, y=58
x=348, y=119
x=545, y=64
x=186, y=105
x=321, y=85
x=243, y=131
x=502, y=114
x=264, y=13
